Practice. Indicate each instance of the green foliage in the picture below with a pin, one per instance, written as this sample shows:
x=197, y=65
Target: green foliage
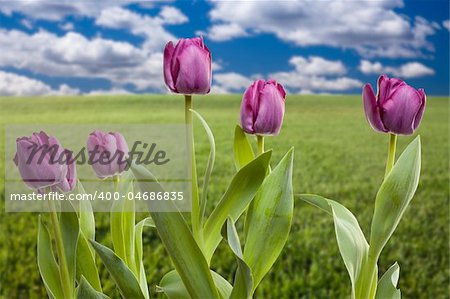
x=337, y=155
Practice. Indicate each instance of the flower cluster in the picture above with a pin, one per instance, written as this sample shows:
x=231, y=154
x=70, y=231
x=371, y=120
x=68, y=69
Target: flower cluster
x=262, y=193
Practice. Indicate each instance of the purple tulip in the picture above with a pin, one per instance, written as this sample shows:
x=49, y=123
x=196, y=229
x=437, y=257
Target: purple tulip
x=187, y=66
x=108, y=153
x=43, y=163
x=262, y=108
x=397, y=108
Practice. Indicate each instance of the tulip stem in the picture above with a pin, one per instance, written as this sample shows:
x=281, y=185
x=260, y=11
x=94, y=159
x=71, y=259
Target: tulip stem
x=391, y=153
x=62, y=262
x=195, y=216
x=260, y=140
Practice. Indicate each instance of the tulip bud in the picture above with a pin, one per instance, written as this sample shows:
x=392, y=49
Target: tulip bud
x=43, y=163
x=397, y=108
x=262, y=108
x=108, y=153
x=187, y=66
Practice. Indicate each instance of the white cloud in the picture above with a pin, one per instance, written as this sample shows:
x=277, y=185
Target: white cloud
x=17, y=85
x=151, y=28
x=407, y=70
x=373, y=28
x=230, y=82
x=316, y=74
x=73, y=55
x=315, y=65
x=446, y=24
x=57, y=10
x=67, y=26
x=113, y=91
x=223, y=32
x=310, y=75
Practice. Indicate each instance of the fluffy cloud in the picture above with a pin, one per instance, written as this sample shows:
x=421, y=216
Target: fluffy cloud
x=230, y=82
x=446, y=24
x=73, y=55
x=151, y=28
x=223, y=32
x=310, y=75
x=17, y=85
x=407, y=70
x=315, y=65
x=373, y=28
x=57, y=10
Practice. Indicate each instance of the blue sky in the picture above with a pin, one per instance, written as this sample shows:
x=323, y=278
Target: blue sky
x=86, y=47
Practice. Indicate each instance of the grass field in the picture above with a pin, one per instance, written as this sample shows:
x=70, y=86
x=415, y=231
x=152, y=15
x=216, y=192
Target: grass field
x=336, y=155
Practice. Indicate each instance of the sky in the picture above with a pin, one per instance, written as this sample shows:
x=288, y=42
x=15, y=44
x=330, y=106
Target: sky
x=309, y=46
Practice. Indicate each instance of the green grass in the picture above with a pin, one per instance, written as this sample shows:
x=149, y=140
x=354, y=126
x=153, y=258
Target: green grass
x=336, y=155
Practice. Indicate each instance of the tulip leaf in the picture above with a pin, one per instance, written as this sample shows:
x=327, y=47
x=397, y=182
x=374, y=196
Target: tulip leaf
x=48, y=267
x=179, y=243
x=350, y=238
x=269, y=221
x=236, y=199
x=243, y=281
x=123, y=222
x=147, y=222
x=123, y=277
x=86, y=291
x=86, y=215
x=173, y=287
x=70, y=231
x=394, y=196
x=387, y=286
x=85, y=261
x=209, y=165
x=243, y=152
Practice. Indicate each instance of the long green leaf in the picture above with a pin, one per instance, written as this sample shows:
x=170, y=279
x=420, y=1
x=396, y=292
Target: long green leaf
x=173, y=287
x=86, y=291
x=243, y=152
x=86, y=215
x=48, y=267
x=243, y=281
x=123, y=223
x=236, y=199
x=85, y=259
x=86, y=266
x=148, y=222
x=179, y=243
x=394, y=196
x=269, y=220
x=209, y=165
x=387, y=286
x=125, y=280
x=350, y=238
x=70, y=232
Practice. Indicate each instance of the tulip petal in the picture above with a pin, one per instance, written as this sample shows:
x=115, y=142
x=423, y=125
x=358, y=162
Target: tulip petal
x=400, y=110
x=168, y=56
x=194, y=76
x=270, y=112
x=371, y=108
x=250, y=106
x=123, y=151
x=419, y=114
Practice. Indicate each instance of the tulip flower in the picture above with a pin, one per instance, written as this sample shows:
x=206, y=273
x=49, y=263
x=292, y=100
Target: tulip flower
x=43, y=163
x=108, y=153
x=187, y=67
x=262, y=108
x=397, y=108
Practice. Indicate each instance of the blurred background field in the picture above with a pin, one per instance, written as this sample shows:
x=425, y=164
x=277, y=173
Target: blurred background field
x=336, y=155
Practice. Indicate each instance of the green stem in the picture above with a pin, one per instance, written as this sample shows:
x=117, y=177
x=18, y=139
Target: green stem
x=370, y=278
x=62, y=261
x=195, y=218
x=391, y=153
x=260, y=140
